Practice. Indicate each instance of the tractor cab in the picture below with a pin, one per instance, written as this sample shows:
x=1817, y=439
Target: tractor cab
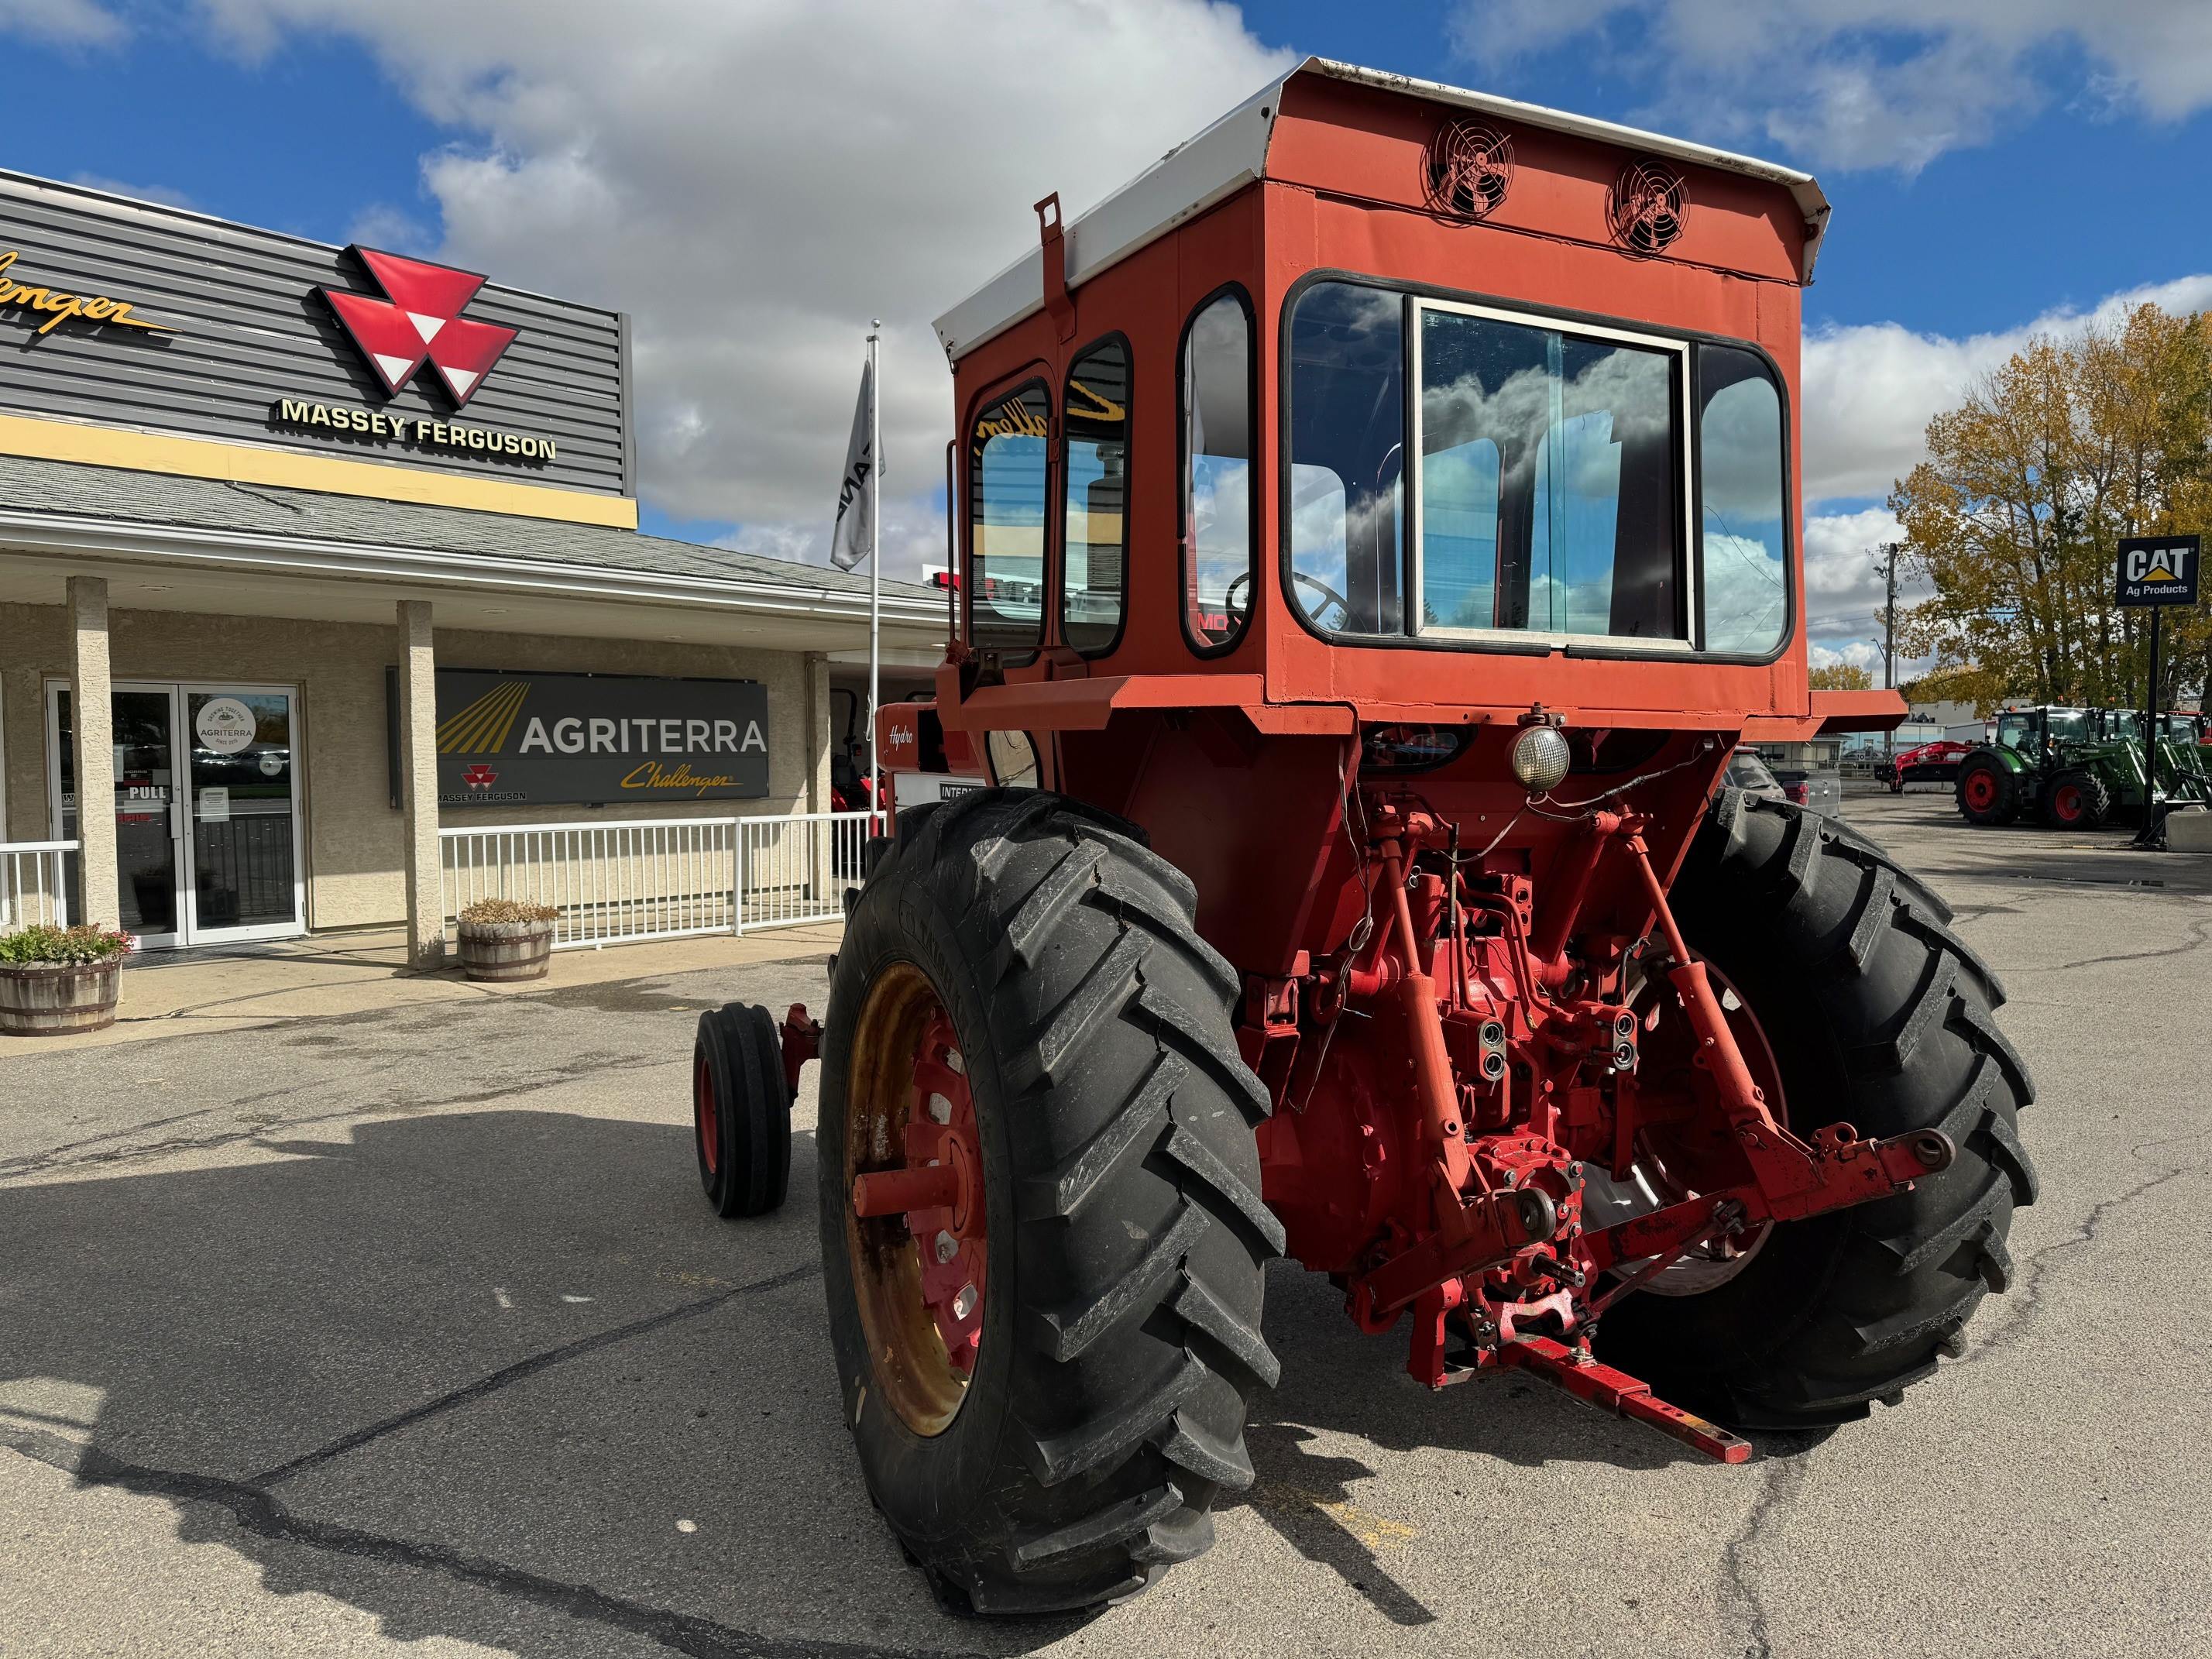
x=1383, y=393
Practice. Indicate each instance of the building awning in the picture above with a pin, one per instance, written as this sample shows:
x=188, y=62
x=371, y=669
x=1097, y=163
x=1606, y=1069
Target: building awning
x=200, y=545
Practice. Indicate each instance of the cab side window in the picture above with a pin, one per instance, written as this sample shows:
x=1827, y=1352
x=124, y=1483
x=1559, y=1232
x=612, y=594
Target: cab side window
x=1007, y=451
x=1219, y=481
x=1095, y=462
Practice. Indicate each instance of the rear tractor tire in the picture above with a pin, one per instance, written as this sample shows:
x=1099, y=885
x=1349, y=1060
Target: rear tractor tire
x=1988, y=792
x=1047, y=1321
x=1871, y=1013
x=740, y=1110
x=2077, y=798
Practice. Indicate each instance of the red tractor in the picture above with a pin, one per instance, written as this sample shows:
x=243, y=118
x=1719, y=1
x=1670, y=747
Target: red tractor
x=1378, y=528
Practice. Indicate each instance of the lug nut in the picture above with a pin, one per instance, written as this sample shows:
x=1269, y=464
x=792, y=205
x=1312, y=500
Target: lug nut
x=940, y=1109
x=947, y=1246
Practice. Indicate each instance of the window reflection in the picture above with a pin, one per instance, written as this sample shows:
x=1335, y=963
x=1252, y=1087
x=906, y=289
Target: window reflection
x=1095, y=418
x=1007, y=491
x=1347, y=455
x=1745, y=567
x=1550, y=491
x=1218, y=473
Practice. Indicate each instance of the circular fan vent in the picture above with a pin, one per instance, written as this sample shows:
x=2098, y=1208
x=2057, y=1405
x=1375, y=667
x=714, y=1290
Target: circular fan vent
x=1650, y=207
x=1470, y=168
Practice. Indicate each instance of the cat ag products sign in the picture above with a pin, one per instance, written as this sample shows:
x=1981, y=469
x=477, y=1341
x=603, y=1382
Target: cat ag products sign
x=591, y=739
x=2159, y=570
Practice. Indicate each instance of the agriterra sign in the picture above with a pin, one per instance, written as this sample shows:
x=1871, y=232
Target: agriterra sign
x=593, y=739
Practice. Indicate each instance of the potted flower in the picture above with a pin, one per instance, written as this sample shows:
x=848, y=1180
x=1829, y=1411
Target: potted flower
x=54, y=981
x=507, y=938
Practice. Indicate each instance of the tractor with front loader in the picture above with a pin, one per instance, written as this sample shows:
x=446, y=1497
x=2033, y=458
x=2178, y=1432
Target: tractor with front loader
x=1376, y=527
x=2078, y=768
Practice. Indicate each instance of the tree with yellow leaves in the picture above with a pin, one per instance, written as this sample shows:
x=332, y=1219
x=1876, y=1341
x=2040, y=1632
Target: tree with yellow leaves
x=2016, y=515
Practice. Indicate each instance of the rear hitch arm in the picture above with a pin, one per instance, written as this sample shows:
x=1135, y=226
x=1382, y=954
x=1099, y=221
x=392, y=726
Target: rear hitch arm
x=1790, y=1179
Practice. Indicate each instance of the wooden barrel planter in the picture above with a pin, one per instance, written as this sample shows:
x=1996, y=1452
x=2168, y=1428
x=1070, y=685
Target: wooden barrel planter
x=500, y=951
x=45, y=999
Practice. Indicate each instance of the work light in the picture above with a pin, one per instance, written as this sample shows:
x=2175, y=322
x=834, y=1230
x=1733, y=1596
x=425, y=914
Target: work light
x=1539, y=757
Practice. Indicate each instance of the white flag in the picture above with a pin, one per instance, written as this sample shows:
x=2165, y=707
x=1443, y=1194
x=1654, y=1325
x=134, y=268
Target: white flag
x=853, y=538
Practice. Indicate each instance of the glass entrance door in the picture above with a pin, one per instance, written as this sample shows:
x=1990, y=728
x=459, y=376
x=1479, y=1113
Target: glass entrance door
x=148, y=824
x=241, y=800
x=206, y=811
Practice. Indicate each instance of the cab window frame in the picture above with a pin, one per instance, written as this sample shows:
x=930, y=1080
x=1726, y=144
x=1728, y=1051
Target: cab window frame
x=1507, y=642
x=1032, y=376
x=1185, y=552
x=1058, y=583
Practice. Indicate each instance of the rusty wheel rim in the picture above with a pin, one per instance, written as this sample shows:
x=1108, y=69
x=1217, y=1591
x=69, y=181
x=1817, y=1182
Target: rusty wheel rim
x=915, y=1226
x=709, y=1120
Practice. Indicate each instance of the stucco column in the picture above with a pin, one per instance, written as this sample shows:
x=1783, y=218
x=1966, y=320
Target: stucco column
x=418, y=762
x=92, y=750
x=814, y=669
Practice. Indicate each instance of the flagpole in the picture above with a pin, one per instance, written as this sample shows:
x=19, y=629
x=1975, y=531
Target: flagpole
x=875, y=552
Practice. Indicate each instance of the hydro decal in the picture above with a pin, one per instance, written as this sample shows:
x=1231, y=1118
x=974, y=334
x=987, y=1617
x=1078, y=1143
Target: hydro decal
x=420, y=323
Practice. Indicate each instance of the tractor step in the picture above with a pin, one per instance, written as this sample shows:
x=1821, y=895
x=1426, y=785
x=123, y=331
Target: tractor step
x=1618, y=1392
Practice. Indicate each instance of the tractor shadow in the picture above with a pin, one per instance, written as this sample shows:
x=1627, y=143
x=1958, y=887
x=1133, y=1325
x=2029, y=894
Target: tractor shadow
x=493, y=1376
x=1340, y=1386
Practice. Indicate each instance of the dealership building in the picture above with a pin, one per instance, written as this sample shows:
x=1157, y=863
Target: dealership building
x=321, y=565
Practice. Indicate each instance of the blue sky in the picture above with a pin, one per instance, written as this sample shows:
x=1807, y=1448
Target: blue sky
x=1992, y=162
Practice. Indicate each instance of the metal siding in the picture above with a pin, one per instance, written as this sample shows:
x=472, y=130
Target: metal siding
x=253, y=329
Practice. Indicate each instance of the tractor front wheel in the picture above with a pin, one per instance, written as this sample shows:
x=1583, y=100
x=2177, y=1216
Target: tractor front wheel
x=1042, y=1232
x=1987, y=791
x=740, y=1110
x=2077, y=800
x=1865, y=1009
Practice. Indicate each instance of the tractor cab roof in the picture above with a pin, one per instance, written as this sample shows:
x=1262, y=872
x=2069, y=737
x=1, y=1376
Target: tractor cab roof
x=1239, y=149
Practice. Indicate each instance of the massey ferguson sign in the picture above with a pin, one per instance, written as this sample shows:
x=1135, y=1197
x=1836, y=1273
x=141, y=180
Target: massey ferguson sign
x=518, y=739
x=162, y=320
x=420, y=322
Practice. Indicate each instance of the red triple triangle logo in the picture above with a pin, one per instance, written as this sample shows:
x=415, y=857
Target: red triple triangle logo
x=421, y=322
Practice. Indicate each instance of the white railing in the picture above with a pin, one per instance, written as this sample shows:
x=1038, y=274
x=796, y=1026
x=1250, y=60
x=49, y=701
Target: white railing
x=615, y=883
x=34, y=884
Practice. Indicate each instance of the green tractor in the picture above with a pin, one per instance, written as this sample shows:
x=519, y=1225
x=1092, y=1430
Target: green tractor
x=2077, y=768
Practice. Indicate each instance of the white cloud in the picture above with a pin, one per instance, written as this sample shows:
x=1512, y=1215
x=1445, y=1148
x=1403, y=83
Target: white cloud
x=1870, y=389
x=62, y=22
x=1860, y=654
x=1844, y=586
x=1865, y=83
x=754, y=182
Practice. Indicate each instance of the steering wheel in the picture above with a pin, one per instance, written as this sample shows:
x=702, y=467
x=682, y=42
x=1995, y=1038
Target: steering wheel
x=1329, y=596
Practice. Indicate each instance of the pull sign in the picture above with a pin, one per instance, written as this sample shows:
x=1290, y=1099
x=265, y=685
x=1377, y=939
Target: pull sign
x=2159, y=570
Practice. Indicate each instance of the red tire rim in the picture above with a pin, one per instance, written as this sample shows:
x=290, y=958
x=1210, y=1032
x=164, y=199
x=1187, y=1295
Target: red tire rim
x=707, y=1119
x=917, y=1231
x=1981, y=789
x=2066, y=803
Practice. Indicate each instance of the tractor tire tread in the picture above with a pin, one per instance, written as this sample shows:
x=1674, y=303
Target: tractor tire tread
x=1892, y=1030
x=1135, y=1341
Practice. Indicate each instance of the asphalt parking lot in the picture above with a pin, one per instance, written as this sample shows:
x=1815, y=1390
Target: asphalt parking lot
x=409, y=1328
